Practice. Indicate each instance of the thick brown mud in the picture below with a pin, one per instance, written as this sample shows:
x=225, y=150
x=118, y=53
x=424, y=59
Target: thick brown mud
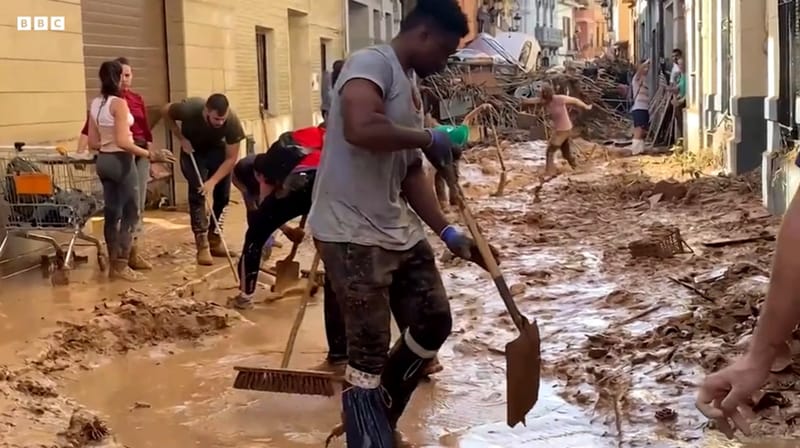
x=625, y=339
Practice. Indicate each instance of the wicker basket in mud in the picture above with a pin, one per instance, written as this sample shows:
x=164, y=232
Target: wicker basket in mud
x=660, y=242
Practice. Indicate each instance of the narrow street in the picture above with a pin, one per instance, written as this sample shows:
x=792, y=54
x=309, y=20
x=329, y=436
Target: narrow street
x=625, y=340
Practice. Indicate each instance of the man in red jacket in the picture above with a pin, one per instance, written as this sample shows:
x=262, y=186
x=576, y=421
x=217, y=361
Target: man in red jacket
x=277, y=187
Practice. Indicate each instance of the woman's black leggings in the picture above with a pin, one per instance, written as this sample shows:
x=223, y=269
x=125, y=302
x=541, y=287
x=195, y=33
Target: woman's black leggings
x=275, y=211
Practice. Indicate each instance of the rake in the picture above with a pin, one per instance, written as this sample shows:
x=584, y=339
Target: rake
x=283, y=379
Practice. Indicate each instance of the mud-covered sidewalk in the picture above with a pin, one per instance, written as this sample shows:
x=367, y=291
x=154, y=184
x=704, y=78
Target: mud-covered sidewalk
x=625, y=340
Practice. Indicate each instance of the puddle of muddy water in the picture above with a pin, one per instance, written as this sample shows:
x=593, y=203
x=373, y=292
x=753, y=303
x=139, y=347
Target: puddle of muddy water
x=183, y=394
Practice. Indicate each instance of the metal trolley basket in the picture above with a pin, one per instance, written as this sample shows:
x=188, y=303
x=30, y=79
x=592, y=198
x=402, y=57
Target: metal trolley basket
x=47, y=191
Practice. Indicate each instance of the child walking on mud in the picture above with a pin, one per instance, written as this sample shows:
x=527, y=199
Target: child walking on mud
x=556, y=106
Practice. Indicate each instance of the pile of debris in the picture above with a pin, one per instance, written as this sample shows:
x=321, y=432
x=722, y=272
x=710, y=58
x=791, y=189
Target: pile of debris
x=603, y=89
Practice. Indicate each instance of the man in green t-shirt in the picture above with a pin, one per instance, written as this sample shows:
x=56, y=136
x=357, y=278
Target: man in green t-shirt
x=211, y=132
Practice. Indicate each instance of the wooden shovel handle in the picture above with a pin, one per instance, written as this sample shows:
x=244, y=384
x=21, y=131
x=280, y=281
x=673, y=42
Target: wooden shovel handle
x=293, y=252
x=485, y=251
x=301, y=311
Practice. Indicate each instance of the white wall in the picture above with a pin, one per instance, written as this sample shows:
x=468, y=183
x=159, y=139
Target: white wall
x=362, y=28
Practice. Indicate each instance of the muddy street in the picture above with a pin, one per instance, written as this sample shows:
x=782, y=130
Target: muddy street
x=625, y=339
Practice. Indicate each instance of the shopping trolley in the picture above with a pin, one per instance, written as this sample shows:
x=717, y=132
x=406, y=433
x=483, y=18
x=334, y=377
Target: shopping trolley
x=48, y=191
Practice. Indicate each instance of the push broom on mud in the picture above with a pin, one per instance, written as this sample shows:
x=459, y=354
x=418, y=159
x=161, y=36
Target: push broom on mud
x=523, y=354
x=283, y=379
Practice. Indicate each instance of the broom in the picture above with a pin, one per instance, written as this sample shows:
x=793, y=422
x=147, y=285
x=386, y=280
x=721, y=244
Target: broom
x=284, y=380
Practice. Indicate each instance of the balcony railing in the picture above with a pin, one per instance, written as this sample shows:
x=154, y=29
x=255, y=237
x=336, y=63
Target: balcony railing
x=548, y=36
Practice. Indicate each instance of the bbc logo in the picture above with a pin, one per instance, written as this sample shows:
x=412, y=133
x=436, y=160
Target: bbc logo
x=41, y=23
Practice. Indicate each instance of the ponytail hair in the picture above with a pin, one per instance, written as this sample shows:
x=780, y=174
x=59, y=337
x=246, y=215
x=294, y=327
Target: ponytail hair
x=110, y=78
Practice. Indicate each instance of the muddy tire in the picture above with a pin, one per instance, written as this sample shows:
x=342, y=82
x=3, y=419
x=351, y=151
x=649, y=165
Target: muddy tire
x=60, y=277
x=102, y=262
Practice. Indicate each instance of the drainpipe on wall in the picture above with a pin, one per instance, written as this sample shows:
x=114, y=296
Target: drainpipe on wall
x=701, y=106
x=346, y=25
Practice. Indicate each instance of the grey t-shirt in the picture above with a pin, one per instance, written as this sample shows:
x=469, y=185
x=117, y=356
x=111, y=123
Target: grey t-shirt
x=357, y=190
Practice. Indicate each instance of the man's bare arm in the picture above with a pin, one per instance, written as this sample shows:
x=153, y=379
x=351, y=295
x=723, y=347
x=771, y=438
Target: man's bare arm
x=419, y=193
x=365, y=122
x=781, y=312
x=572, y=101
x=531, y=102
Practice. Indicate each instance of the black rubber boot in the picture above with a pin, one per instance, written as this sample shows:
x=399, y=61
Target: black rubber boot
x=403, y=372
x=366, y=423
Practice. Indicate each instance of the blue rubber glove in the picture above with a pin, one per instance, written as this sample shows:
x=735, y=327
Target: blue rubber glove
x=457, y=241
x=462, y=246
x=440, y=151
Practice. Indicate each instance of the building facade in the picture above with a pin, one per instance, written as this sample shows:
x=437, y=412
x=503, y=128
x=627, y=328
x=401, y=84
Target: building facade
x=266, y=56
x=371, y=22
x=539, y=18
x=623, y=26
x=780, y=176
x=726, y=60
x=565, y=20
x=590, y=30
x=743, y=89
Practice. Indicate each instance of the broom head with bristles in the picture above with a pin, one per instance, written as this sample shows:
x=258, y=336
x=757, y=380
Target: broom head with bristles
x=287, y=381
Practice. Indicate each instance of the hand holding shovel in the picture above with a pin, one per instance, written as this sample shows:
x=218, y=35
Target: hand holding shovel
x=523, y=354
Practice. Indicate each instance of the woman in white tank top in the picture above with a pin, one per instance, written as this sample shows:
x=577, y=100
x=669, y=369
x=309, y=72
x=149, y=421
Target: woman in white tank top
x=109, y=133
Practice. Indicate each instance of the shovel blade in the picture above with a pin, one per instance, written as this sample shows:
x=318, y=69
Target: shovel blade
x=287, y=273
x=523, y=372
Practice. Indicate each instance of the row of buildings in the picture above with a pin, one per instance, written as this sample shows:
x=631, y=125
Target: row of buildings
x=269, y=57
x=741, y=59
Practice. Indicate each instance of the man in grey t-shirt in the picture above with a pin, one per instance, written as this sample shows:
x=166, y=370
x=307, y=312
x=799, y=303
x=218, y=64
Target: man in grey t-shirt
x=370, y=198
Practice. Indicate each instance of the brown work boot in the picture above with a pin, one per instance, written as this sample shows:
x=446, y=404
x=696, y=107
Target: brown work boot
x=136, y=261
x=217, y=249
x=203, y=251
x=121, y=271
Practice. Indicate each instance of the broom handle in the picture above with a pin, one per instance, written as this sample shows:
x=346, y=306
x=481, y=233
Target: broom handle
x=486, y=252
x=214, y=221
x=301, y=311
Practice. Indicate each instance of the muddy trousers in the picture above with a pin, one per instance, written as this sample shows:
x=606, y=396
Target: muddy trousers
x=208, y=162
x=371, y=284
x=559, y=141
x=273, y=212
x=117, y=173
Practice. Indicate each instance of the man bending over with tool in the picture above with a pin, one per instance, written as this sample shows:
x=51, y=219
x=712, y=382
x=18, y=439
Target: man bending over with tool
x=209, y=135
x=277, y=188
x=369, y=185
